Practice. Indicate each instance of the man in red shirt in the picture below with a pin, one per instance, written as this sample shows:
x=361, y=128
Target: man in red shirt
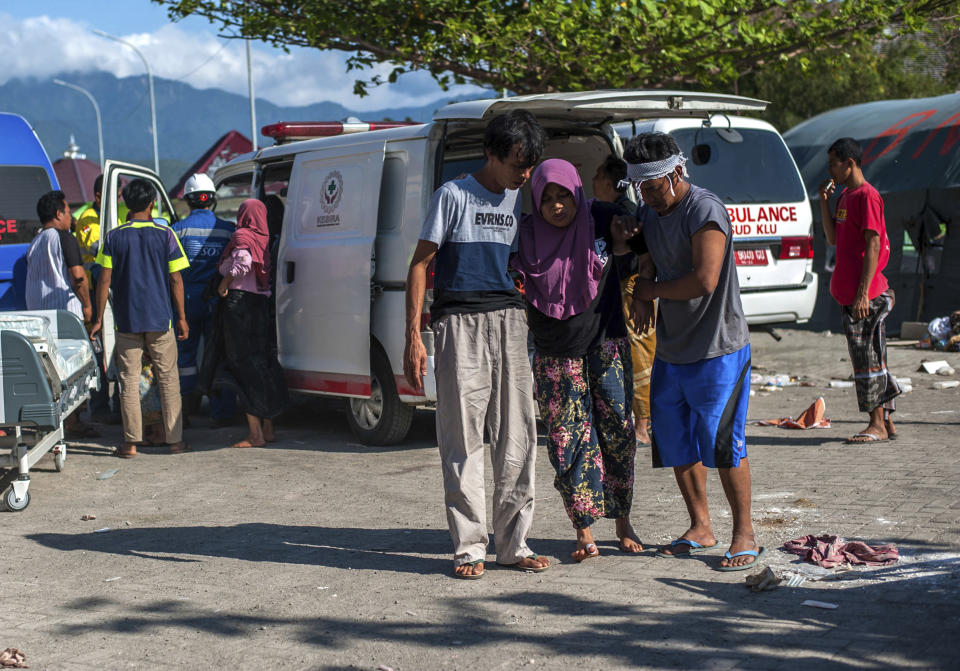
x=860, y=234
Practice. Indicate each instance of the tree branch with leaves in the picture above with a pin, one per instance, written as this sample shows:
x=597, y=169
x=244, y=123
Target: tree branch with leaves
x=549, y=45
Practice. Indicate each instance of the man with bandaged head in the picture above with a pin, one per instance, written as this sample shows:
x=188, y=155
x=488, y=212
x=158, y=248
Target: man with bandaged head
x=700, y=382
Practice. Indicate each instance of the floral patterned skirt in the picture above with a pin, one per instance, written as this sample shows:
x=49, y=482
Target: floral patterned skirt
x=585, y=403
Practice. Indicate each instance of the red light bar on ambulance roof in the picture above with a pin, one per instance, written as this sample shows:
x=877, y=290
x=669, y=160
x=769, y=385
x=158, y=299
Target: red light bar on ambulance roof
x=286, y=131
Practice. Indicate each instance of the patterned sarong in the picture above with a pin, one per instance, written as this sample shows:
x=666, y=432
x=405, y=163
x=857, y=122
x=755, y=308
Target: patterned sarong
x=867, y=343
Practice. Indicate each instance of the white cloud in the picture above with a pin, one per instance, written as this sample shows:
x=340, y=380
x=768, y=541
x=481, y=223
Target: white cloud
x=43, y=46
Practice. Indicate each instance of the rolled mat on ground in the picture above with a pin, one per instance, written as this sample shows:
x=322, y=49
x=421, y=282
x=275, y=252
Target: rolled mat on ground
x=830, y=551
x=811, y=418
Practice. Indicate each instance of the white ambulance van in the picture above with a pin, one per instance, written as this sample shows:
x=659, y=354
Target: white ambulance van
x=747, y=164
x=354, y=197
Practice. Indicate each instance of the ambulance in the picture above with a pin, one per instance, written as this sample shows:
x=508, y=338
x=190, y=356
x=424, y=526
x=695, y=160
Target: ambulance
x=354, y=196
x=25, y=174
x=747, y=164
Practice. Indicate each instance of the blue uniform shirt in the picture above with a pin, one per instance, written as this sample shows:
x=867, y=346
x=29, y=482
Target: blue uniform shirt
x=204, y=238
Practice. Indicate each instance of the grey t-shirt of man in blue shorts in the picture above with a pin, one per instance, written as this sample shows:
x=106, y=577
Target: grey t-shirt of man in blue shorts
x=708, y=326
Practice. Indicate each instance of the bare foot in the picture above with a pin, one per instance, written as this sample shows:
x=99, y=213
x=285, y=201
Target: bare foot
x=268, y=434
x=128, y=451
x=642, y=434
x=469, y=569
x=891, y=429
x=246, y=442
x=702, y=535
x=741, y=542
x=628, y=538
x=586, y=547
x=179, y=448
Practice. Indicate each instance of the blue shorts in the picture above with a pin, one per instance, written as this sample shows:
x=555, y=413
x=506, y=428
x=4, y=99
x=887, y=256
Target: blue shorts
x=698, y=411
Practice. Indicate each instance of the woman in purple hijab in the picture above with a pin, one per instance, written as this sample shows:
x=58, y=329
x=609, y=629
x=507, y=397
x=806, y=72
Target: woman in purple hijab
x=569, y=261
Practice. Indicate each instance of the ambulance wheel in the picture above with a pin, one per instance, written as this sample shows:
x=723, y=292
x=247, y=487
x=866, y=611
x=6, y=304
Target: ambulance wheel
x=60, y=456
x=10, y=501
x=382, y=419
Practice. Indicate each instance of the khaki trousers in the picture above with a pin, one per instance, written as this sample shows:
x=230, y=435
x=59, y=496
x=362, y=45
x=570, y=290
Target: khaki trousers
x=484, y=382
x=162, y=348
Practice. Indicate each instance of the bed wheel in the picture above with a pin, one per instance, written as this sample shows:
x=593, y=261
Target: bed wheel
x=59, y=456
x=11, y=503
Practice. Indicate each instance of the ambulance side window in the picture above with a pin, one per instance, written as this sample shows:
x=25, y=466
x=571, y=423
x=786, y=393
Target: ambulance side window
x=275, y=182
x=231, y=192
x=392, y=190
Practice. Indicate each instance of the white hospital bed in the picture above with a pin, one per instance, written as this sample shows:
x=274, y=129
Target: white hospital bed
x=47, y=369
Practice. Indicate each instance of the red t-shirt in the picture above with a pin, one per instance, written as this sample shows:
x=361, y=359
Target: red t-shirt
x=858, y=210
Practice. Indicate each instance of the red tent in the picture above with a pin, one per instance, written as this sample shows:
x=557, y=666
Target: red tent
x=229, y=146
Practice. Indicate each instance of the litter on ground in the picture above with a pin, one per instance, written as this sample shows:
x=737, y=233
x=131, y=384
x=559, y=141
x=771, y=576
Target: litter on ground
x=829, y=551
x=106, y=475
x=819, y=604
x=11, y=658
x=841, y=384
x=934, y=366
x=811, y=418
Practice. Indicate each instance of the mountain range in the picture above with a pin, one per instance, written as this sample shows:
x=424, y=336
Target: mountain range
x=189, y=120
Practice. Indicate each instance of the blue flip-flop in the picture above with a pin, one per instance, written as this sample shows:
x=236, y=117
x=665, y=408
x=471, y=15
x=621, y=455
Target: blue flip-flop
x=745, y=553
x=695, y=548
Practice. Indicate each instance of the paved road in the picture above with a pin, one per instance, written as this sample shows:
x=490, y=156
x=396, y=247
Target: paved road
x=319, y=553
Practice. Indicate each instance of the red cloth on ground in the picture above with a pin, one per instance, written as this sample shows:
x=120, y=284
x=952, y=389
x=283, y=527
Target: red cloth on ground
x=811, y=418
x=830, y=551
x=858, y=210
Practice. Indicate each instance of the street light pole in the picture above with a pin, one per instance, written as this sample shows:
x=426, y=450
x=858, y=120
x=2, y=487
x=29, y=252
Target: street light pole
x=153, y=108
x=253, y=110
x=96, y=109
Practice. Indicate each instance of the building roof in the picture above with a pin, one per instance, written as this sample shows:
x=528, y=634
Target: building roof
x=76, y=174
x=229, y=146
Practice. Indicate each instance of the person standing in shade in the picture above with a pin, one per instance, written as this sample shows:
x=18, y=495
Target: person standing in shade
x=103, y=404
x=700, y=385
x=480, y=340
x=87, y=229
x=203, y=236
x=859, y=231
x=55, y=276
x=142, y=260
x=609, y=184
x=249, y=354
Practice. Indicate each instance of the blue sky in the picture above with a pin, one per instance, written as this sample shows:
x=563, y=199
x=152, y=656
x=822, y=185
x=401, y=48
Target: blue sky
x=43, y=38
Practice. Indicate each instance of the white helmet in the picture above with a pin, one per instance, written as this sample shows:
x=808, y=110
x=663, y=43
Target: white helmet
x=199, y=183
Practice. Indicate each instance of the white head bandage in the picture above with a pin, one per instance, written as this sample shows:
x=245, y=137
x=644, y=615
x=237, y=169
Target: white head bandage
x=637, y=173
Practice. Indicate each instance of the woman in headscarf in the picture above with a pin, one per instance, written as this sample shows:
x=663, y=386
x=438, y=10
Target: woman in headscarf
x=245, y=324
x=581, y=365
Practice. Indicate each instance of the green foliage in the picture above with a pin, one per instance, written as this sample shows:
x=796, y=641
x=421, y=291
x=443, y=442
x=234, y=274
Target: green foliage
x=804, y=87
x=529, y=46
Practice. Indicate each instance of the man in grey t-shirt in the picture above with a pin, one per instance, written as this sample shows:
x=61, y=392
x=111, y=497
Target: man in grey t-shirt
x=700, y=383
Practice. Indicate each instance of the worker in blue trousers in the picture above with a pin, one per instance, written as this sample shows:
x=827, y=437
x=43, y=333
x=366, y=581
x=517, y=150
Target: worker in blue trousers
x=203, y=236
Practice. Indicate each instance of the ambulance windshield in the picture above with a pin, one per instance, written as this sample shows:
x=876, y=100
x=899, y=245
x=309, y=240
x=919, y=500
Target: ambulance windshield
x=757, y=170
